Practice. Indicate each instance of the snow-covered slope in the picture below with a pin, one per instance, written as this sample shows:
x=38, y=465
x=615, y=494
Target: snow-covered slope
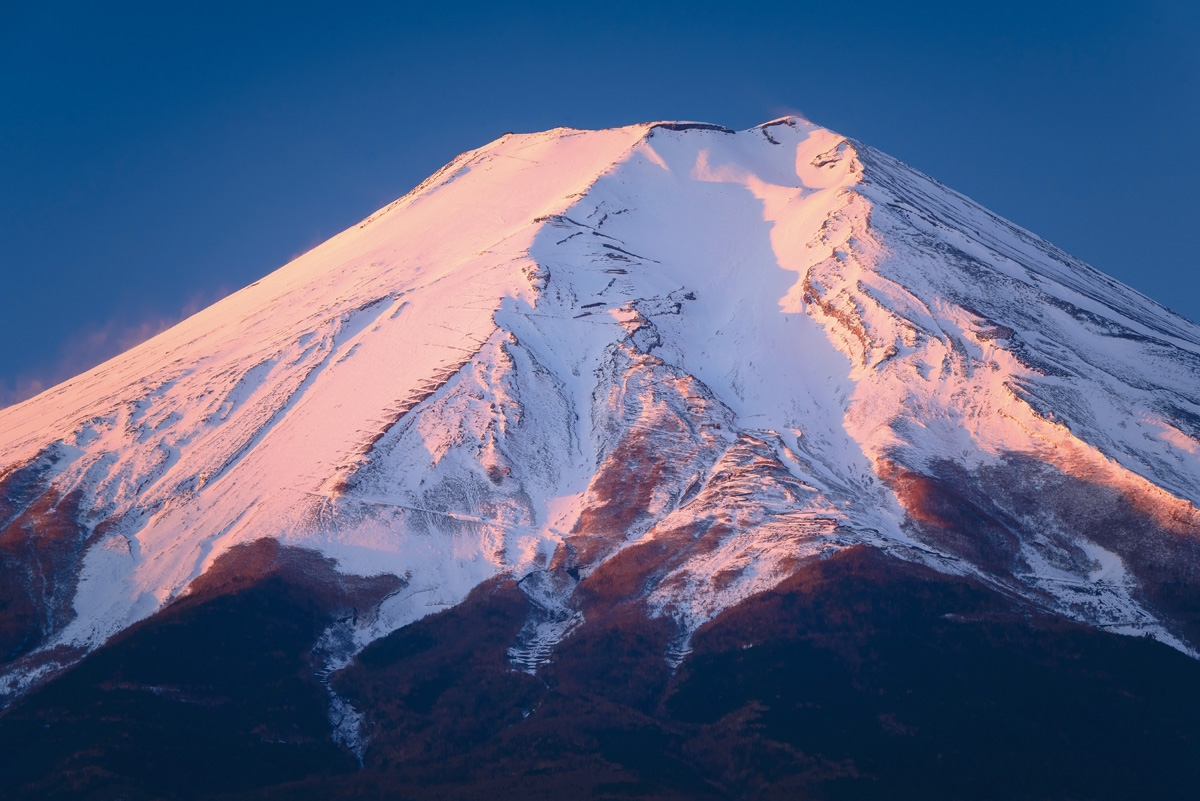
x=725, y=353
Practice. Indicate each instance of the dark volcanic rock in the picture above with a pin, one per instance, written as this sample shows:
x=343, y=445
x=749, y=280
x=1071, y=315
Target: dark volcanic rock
x=985, y=516
x=41, y=540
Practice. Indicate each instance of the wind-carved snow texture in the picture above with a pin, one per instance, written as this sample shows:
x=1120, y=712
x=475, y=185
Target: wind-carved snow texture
x=729, y=352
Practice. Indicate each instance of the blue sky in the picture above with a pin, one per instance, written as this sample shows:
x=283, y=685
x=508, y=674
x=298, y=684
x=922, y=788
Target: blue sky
x=154, y=157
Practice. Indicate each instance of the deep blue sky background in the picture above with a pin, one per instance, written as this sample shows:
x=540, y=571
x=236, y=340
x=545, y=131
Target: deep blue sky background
x=154, y=157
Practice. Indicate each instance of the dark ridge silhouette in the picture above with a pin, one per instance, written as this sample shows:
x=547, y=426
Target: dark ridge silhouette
x=860, y=677
x=216, y=693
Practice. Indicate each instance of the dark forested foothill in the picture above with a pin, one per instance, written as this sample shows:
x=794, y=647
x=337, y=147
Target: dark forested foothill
x=860, y=677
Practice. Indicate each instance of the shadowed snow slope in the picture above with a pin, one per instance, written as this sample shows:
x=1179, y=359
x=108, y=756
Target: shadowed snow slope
x=657, y=368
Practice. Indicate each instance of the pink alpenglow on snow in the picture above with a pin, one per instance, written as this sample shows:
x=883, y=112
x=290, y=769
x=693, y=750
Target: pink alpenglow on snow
x=758, y=348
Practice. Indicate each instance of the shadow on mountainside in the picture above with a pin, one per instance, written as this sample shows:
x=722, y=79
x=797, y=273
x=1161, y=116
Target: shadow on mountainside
x=859, y=677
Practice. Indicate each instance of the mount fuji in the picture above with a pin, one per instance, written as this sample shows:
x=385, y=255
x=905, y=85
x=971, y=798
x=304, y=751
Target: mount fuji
x=663, y=461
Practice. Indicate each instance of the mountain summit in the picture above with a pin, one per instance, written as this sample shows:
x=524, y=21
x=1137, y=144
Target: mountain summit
x=642, y=380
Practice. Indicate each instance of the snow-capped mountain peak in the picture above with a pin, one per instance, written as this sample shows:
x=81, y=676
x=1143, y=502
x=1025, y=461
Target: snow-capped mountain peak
x=654, y=367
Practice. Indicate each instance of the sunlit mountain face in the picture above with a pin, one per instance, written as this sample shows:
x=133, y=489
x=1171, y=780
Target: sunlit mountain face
x=664, y=461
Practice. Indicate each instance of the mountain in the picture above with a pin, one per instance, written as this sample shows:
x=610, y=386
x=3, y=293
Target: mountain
x=661, y=461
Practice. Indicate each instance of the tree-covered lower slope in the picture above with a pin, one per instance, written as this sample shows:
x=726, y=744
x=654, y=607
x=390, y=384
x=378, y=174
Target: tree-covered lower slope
x=860, y=677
